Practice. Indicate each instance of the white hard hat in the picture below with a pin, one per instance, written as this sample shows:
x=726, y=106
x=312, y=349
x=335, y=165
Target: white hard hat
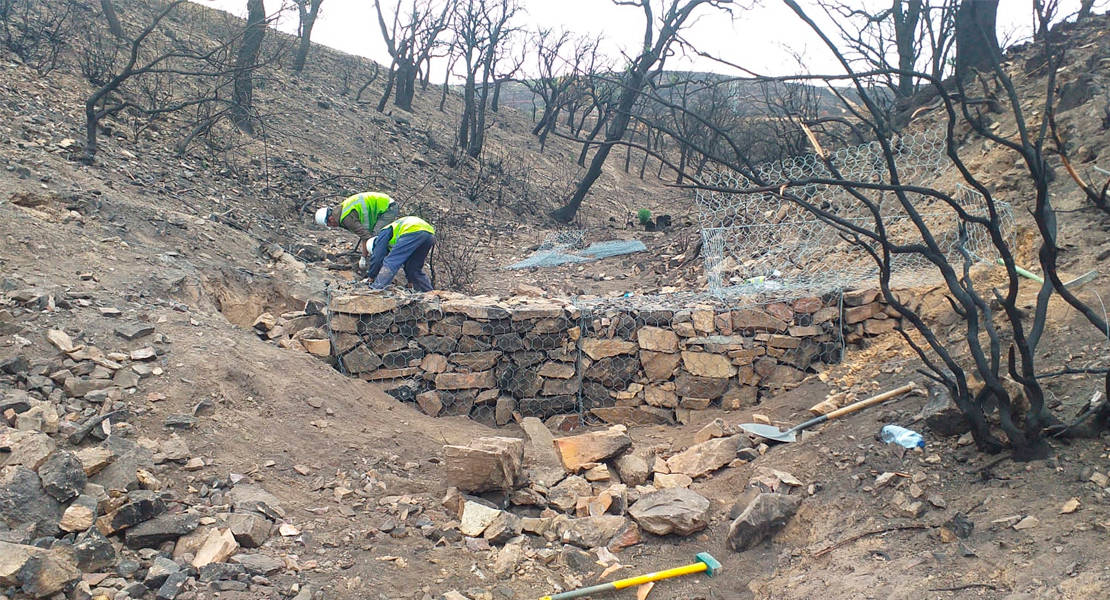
x=322, y=216
x=370, y=246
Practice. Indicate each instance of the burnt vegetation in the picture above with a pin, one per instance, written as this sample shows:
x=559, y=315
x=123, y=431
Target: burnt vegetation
x=173, y=70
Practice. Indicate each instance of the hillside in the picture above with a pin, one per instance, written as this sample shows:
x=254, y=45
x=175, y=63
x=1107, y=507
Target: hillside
x=134, y=363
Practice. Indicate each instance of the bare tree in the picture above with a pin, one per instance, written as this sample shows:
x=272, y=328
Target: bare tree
x=938, y=29
x=110, y=16
x=155, y=77
x=1000, y=339
x=98, y=106
x=36, y=31
x=245, y=63
x=976, y=36
x=410, y=37
x=1085, y=8
x=481, y=29
x=658, y=42
x=307, y=12
x=559, y=59
x=549, y=82
x=894, y=40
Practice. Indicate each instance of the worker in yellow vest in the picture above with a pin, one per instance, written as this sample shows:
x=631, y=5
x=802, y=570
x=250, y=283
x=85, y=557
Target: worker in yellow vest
x=405, y=242
x=362, y=214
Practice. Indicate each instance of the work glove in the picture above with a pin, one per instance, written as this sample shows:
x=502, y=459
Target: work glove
x=364, y=263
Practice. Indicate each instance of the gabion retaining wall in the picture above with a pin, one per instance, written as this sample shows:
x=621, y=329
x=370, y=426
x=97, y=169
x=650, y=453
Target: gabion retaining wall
x=489, y=359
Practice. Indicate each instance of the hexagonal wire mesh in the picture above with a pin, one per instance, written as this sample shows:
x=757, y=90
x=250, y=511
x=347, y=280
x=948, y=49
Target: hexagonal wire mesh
x=478, y=361
x=774, y=310
x=563, y=247
x=618, y=360
x=755, y=243
x=648, y=360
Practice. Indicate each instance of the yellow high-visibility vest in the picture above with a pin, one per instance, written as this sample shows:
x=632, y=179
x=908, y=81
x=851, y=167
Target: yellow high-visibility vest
x=409, y=225
x=368, y=206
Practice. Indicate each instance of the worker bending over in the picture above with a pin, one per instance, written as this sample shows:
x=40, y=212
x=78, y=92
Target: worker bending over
x=404, y=242
x=362, y=214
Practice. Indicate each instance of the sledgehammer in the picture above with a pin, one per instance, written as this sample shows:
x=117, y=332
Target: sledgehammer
x=705, y=563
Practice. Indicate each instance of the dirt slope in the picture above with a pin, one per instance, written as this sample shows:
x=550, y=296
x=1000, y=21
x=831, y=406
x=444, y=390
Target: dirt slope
x=134, y=233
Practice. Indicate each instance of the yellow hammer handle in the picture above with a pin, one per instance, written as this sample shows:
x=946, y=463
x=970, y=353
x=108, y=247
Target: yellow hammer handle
x=675, y=572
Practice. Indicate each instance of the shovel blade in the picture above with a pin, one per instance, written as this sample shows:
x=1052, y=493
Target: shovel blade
x=770, y=432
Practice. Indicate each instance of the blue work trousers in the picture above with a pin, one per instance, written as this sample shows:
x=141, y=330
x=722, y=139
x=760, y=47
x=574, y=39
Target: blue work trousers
x=410, y=251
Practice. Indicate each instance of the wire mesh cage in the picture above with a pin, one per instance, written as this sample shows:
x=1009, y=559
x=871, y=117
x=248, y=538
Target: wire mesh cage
x=787, y=292
x=633, y=360
x=756, y=243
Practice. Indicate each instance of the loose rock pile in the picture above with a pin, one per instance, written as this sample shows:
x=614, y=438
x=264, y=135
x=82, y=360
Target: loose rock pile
x=301, y=329
x=548, y=498
x=457, y=355
x=86, y=507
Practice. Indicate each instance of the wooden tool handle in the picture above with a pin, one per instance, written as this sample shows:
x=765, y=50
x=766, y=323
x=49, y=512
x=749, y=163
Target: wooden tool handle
x=862, y=404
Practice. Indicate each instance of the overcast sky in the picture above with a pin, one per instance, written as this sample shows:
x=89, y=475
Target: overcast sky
x=763, y=39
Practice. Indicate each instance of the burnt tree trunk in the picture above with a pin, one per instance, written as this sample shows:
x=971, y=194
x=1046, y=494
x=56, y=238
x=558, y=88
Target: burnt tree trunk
x=905, y=30
x=976, y=36
x=1085, y=8
x=109, y=11
x=309, y=10
x=406, y=86
x=388, y=88
x=245, y=63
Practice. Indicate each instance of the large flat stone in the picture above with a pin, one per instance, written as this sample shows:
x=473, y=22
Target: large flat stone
x=164, y=528
x=592, y=532
x=143, y=506
x=628, y=415
x=704, y=458
x=121, y=473
x=49, y=573
x=360, y=360
x=577, y=450
x=63, y=476
x=475, y=361
x=475, y=308
x=476, y=517
x=12, y=559
x=219, y=546
x=557, y=370
x=253, y=498
x=363, y=305
x=598, y=349
x=250, y=530
x=659, y=366
x=565, y=495
x=541, y=457
x=483, y=380
x=704, y=364
x=23, y=502
x=701, y=387
x=614, y=373
x=29, y=448
x=751, y=320
x=656, y=339
x=491, y=463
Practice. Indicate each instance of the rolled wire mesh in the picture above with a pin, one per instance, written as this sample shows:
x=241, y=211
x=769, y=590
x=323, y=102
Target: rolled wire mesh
x=566, y=247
